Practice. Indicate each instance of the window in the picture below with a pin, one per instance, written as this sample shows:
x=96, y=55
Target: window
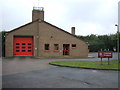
x=17, y=47
x=17, y=50
x=23, y=50
x=23, y=47
x=56, y=47
x=73, y=45
x=29, y=43
x=23, y=43
x=17, y=44
x=46, y=46
x=29, y=47
x=29, y=50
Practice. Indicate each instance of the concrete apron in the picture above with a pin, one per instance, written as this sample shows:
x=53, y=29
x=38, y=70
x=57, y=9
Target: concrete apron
x=17, y=65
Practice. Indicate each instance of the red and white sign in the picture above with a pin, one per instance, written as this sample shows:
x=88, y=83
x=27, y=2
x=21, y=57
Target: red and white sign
x=104, y=54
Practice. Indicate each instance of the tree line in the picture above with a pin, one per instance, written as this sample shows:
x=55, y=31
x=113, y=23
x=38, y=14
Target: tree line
x=101, y=42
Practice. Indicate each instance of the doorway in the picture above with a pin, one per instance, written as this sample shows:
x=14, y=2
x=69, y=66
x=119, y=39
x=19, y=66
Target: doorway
x=66, y=49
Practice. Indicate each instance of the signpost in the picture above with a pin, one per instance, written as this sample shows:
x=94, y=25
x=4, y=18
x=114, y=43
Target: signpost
x=105, y=54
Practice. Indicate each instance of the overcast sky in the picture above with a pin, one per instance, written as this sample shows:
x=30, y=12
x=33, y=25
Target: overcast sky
x=88, y=16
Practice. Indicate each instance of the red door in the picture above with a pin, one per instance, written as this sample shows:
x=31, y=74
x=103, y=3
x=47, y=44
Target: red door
x=23, y=46
x=66, y=51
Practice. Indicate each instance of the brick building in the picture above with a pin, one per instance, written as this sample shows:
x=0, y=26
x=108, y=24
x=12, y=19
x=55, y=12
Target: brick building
x=42, y=39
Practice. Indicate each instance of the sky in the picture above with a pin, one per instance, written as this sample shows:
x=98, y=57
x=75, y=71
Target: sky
x=87, y=16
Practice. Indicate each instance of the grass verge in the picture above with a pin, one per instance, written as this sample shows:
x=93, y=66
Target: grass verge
x=89, y=64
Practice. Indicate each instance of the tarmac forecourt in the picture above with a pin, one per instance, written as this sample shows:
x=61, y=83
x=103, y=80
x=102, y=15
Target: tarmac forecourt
x=113, y=64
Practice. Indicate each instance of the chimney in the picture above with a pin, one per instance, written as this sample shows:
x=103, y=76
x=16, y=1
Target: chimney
x=73, y=30
x=38, y=13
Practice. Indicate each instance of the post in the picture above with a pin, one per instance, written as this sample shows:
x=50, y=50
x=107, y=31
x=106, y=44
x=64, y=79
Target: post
x=101, y=60
x=108, y=61
x=118, y=41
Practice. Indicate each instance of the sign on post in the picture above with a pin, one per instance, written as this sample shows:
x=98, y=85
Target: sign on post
x=104, y=54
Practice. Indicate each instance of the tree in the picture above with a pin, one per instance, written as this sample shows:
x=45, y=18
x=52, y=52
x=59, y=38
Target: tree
x=101, y=42
x=2, y=43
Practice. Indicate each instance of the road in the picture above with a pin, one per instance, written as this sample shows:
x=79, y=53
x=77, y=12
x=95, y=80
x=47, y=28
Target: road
x=37, y=73
x=62, y=77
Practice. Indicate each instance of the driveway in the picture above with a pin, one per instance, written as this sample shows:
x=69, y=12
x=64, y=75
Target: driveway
x=37, y=73
x=23, y=64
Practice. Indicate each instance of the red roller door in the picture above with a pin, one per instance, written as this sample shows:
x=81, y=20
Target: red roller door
x=23, y=46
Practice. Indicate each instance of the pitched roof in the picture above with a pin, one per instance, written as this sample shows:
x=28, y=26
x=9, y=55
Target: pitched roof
x=22, y=26
x=63, y=31
x=38, y=20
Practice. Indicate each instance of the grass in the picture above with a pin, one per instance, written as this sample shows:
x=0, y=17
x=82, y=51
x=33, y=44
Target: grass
x=89, y=64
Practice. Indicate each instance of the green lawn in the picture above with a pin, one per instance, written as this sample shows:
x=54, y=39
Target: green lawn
x=89, y=64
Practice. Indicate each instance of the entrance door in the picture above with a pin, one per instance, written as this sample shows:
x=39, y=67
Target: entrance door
x=23, y=46
x=66, y=49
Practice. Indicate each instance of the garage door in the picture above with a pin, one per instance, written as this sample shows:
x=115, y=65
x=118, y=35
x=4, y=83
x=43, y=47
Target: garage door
x=23, y=46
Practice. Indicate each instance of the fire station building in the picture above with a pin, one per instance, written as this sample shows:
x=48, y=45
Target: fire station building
x=42, y=39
